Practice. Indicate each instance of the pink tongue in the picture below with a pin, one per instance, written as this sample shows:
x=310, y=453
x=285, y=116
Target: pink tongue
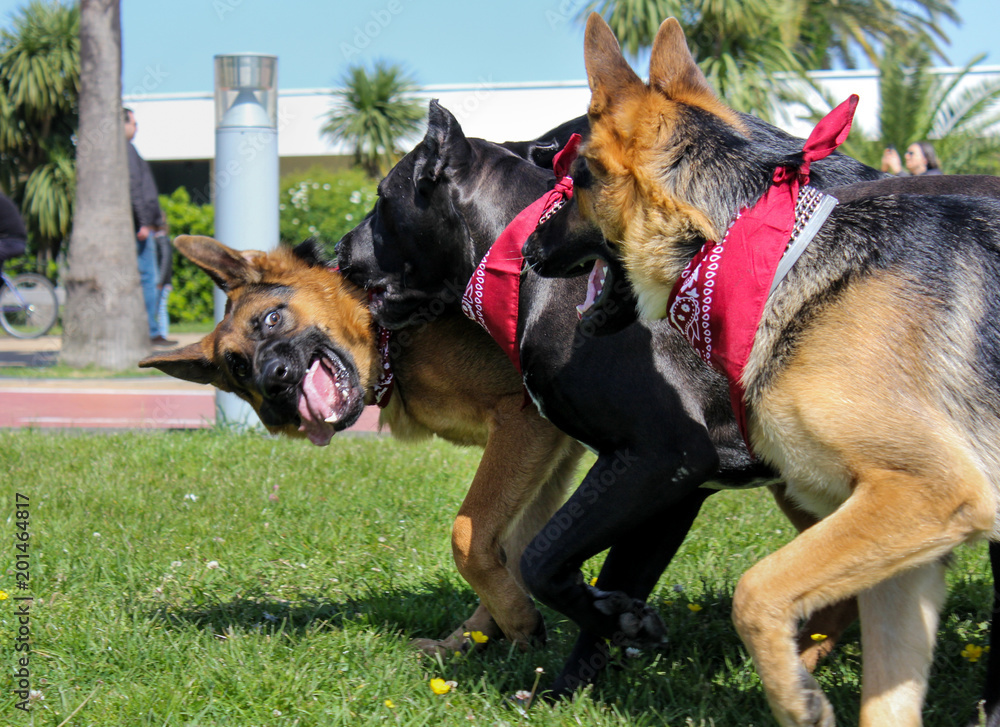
x=317, y=402
x=595, y=283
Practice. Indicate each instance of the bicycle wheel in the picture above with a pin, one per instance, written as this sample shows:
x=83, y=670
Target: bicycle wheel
x=28, y=306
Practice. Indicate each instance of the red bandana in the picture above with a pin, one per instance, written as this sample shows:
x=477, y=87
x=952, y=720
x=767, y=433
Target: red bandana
x=491, y=296
x=718, y=300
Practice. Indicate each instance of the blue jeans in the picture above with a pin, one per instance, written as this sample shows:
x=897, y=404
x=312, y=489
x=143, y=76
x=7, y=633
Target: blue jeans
x=146, y=252
x=162, y=319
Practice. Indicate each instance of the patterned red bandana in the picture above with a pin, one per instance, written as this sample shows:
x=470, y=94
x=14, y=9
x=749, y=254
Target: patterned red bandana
x=718, y=300
x=491, y=297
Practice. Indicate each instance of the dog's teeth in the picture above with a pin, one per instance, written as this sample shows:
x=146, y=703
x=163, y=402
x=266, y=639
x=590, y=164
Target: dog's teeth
x=332, y=419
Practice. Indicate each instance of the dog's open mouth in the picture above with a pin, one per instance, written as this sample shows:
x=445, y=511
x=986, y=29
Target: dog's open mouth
x=327, y=398
x=595, y=286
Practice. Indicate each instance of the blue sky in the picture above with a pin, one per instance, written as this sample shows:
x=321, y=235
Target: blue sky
x=168, y=46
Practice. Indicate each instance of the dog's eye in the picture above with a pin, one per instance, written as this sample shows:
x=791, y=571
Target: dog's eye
x=273, y=319
x=238, y=366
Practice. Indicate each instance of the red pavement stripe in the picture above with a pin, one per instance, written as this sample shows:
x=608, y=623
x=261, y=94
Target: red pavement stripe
x=162, y=409
x=122, y=409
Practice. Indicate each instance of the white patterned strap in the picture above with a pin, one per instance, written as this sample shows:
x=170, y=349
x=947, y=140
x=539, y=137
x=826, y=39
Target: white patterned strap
x=811, y=210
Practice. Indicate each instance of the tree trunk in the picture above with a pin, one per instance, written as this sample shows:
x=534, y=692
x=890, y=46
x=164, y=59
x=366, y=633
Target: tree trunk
x=105, y=323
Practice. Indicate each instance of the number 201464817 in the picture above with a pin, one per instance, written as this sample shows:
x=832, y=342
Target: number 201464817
x=21, y=536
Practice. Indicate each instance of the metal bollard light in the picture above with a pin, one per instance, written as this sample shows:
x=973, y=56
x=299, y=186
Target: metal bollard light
x=245, y=176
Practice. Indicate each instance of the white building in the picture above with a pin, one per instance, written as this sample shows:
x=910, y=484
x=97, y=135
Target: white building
x=177, y=131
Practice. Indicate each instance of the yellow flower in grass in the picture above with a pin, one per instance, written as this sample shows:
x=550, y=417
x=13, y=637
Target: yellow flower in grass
x=593, y=581
x=389, y=704
x=819, y=637
x=3, y=596
x=972, y=652
x=440, y=686
x=479, y=637
x=694, y=607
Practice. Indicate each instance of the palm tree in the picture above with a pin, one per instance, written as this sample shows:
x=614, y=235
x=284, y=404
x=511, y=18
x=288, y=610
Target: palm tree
x=960, y=117
x=105, y=320
x=739, y=44
x=373, y=112
x=825, y=33
x=749, y=49
x=39, y=87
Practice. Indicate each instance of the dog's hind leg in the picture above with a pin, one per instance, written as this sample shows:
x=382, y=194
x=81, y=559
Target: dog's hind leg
x=537, y=513
x=894, y=521
x=899, y=619
x=525, y=460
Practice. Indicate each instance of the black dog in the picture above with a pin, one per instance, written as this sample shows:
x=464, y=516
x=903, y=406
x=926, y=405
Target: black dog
x=439, y=210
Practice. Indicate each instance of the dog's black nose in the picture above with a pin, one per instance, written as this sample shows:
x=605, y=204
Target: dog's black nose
x=278, y=371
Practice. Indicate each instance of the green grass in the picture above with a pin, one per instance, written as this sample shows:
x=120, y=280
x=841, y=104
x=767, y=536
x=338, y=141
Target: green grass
x=62, y=371
x=328, y=562
x=45, y=365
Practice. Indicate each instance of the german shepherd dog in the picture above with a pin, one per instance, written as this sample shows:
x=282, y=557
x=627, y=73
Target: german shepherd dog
x=871, y=384
x=567, y=245
x=297, y=343
x=438, y=211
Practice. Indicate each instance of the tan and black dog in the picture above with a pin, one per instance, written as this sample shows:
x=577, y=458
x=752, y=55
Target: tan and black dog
x=297, y=342
x=871, y=385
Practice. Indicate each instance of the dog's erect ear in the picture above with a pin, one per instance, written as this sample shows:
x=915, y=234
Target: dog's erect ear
x=607, y=71
x=312, y=253
x=672, y=68
x=443, y=146
x=542, y=151
x=227, y=267
x=189, y=363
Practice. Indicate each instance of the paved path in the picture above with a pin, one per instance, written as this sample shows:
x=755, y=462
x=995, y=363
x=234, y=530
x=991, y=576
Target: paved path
x=141, y=402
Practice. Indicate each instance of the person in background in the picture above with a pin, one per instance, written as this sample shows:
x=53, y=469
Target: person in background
x=147, y=218
x=13, y=234
x=920, y=159
x=165, y=266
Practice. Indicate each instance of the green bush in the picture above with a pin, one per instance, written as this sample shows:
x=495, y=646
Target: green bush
x=316, y=203
x=322, y=204
x=191, y=299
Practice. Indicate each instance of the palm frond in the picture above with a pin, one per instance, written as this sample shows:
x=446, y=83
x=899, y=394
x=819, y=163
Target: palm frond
x=372, y=112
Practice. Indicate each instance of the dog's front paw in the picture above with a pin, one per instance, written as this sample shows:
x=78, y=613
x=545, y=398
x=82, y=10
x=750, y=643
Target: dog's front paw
x=813, y=711
x=438, y=647
x=819, y=713
x=635, y=623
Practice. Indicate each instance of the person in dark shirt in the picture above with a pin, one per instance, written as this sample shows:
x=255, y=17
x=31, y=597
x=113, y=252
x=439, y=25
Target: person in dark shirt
x=148, y=219
x=13, y=234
